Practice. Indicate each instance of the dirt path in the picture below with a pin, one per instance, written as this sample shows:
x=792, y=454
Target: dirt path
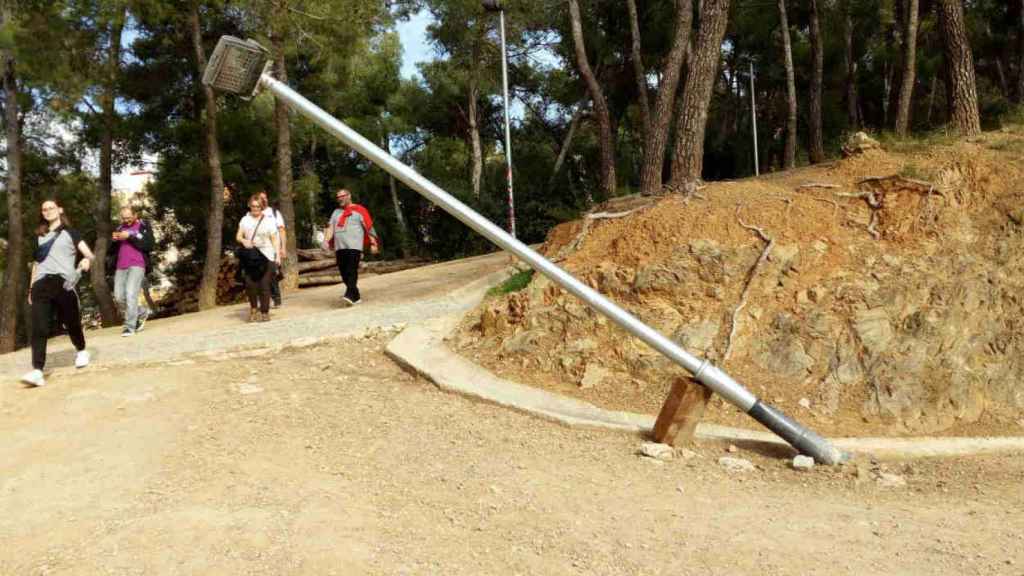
x=331, y=460
x=388, y=299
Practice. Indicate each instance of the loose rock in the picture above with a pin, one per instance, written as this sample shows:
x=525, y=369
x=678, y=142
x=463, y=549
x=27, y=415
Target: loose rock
x=736, y=464
x=657, y=451
x=802, y=462
x=249, y=389
x=686, y=453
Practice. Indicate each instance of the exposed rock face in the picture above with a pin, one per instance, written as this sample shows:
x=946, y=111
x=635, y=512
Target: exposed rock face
x=921, y=327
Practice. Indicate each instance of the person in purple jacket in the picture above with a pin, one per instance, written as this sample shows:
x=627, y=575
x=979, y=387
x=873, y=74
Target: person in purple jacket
x=133, y=243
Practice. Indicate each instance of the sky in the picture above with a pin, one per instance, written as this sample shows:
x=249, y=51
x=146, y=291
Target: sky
x=415, y=48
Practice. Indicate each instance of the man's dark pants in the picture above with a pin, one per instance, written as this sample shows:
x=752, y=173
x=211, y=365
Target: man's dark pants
x=348, y=266
x=275, y=287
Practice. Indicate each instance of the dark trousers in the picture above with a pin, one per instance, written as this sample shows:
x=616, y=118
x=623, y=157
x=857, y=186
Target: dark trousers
x=348, y=266
x=49, y=293
x=275, y=285
x=259, y=289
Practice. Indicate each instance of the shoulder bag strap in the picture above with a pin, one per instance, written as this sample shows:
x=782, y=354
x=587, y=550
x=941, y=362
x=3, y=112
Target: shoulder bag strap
x=256, y=229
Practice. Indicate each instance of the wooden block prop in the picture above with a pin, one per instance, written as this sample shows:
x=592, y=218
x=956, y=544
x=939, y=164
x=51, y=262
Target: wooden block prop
x=682, y=410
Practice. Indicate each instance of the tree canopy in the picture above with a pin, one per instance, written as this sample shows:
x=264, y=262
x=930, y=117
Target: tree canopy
x=98, y=85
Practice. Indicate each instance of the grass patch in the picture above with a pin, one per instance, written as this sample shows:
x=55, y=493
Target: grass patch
x=514, y=283
x=1013, y=117
x=917, y=143
x=914, y=172
x=1008, y=145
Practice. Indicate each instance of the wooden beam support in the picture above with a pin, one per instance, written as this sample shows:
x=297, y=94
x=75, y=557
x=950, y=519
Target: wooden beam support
x=682, y=410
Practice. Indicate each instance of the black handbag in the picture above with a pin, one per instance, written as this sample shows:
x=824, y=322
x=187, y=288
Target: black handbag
x=250, y=260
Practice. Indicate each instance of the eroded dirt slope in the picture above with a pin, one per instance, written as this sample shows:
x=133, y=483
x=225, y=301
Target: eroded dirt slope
x=889, y=300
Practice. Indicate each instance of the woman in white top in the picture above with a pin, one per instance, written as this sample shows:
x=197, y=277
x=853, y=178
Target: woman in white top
x=259, y=231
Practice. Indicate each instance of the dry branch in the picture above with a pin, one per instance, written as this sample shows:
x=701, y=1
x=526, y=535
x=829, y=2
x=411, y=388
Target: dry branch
x=816, y=185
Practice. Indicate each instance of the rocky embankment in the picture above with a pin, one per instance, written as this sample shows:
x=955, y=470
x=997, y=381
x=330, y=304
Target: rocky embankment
x=880, y=293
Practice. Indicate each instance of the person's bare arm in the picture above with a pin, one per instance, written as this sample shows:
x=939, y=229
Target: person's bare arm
x=275, y=239
x=241, y=239
x=284, y=245
x=86, y=262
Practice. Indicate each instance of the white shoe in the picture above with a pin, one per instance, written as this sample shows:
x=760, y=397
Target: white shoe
x=82, y=359
x=345, y=302
x=35, y=378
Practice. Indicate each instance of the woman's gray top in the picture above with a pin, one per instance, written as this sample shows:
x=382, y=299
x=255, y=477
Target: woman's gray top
x=61, y=259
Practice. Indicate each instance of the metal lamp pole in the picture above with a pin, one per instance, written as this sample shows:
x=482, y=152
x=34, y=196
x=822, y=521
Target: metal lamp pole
x=242, y=67
x=497, y=6
x=753, y=119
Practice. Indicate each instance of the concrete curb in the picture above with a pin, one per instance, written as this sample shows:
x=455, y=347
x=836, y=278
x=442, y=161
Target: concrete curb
x=421, y=348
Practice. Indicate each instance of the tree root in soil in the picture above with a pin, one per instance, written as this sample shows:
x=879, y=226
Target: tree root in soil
x=588, y=219
x=769, y=242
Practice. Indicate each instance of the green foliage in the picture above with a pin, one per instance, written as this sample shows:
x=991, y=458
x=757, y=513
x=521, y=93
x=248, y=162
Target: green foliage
x=513, y=283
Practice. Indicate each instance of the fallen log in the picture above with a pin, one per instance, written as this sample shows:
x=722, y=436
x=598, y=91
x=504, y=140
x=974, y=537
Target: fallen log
x=319, y=280
x=307, y=254
x=316, y=265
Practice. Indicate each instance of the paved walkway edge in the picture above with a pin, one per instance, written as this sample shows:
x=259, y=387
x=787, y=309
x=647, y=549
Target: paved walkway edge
x=421, y=348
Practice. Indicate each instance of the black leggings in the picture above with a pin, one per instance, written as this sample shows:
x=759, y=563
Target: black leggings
x=348, y=265
x=259, y=289
x=48, y=293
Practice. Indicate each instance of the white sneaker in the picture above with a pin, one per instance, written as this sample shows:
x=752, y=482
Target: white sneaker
x=35, y=378
x=82, y=359
x=345, y=302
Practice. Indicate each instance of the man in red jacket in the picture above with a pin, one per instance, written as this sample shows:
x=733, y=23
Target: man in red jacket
x=349, y=232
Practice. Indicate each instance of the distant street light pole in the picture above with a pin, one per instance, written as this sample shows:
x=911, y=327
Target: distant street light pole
x=497, y=6
x=753, y=119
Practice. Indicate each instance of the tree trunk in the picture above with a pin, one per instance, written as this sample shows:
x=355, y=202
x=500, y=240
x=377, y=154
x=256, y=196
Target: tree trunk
x=909, y=68
x=688, y=160
x=817, y=147
x=104, y=224
x=403, y=229
x=896, y=43
x=476, y=160
x=563, y=150
x=606, y=138
x=787, y=48
x=657, y=136
x=931, y=98
x=1020, y=51
x=12, y=296
x=284, y=150
x=852, y=117
x=1004, y=83
x=215, y=217
x=638, y=69
x=965, y=117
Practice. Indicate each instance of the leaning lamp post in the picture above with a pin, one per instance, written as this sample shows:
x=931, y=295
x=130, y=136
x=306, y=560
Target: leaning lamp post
x=499, y=7
x=242, y=67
